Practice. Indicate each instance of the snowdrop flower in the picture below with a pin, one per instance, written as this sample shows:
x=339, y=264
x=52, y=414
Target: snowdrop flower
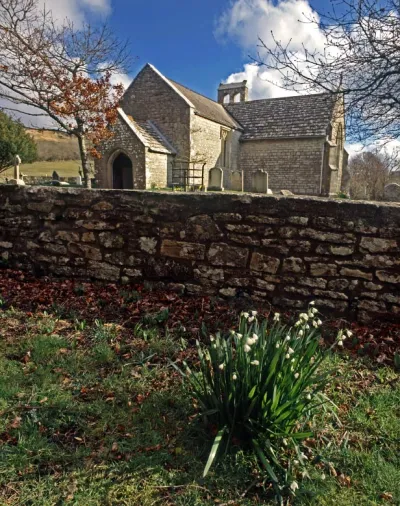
x=253, y=313
x=307, y=327
x=277, y=317
x=312, y=360
x=319, y=323
x=315, y=323
x=284, y=441
x=308, y=397
x=287, y=338
x=287, y=355
x=239, y=336
x=246, y=348
x=349, y=333
x=277, y=345
x=232, y=332
x=304, y=316
x=212, y=339
x=245, y=315
x=296, y=462
x=255, y=362
x=297, y=323
x=293, y=360
x=250, y=319
x=312, y=303
x=310, y=313
x=296, y=375
x=214, y=346
x=301, y=332
x=222, y=366
x=291, y=351
x=234, y=377
x=294, y=486
x=340, y=343
x=314, y=310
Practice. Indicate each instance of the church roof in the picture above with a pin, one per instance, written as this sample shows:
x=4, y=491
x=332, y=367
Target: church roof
x=148, y=134
x=206, y=107
x=284, y=118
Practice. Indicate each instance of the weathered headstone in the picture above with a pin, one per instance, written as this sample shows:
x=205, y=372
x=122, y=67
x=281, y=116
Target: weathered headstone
x=391, y=192
x=237, y=180
x=17, y=180
x=55, y=176
x=287, y=193
x=78, y=180
x=260, y=181
x=215, y=179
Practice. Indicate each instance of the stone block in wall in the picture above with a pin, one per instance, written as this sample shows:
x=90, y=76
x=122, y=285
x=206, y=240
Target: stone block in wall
x=201, y=228
x=388, y=277
x=227, y=255
x=103, y=271
x=355, y=273
x=319, y=269
x=378, y=245
x=244, y=239
x=185, y=250
x=111, y=240
x=294, y=265
x=264, y=263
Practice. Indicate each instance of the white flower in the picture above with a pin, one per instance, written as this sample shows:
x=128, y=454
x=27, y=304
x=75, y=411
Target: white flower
x=293, y=360
x=296, y=375
x=246, y=348
x=214, y=346
x=296, y=462
x=284, y=441
x=304, y=316
x=255, y=362
x=294, y=486
x=297, y=323
x=222, y=366
x=245, y=315
x=312, y=360
x=277, y=345
x=234, y=377
x=310, y=313
x=254, y=337
x=291, y=351
x=239, y=336
x=308, y=397
x=314, y=310
x=232, y=332
x=340, y=343
x=277, y=317
x=315, y=323
x=319, y=323
x=301, y=332
x=307, y=327
x=312, y=303
x=250, y=319
x=287, y=338
x=287, y=355
x=349, y=333
x=212, y=339
x=253, y=313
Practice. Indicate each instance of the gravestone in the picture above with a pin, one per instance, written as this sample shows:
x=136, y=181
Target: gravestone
x=260, y=182
x=286, y=193
x=391, y=192
x=237, y=180
x=215, y=179
x=78, y=181
x=17, y=179
x=55, y=176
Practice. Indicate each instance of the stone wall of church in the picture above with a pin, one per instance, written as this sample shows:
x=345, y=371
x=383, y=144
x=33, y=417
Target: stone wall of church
x=293, y=165
x=206, y=145
x=158, y=166
x=285, y=251
x=123, y=139
x=149, y=97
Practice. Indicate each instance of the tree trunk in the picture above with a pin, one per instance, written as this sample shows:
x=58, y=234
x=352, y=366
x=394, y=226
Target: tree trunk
x=87, y=183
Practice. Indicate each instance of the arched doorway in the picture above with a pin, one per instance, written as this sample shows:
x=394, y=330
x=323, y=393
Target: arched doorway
x=122, y=173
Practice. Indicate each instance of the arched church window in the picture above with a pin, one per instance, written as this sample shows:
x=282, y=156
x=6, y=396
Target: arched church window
x=237, y=97
x=227, y=99
x=339, y=144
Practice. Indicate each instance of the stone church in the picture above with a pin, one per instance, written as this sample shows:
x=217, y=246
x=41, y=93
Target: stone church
x=164, y=127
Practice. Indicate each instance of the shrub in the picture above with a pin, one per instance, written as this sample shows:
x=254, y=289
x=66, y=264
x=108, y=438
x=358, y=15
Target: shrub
x=260, y=386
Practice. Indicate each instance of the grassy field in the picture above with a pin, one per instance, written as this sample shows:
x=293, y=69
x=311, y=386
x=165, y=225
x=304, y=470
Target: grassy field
x=67, y=168
x=94, y=414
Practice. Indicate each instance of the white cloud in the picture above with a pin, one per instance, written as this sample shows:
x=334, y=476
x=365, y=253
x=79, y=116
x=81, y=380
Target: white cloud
x=76, y=10
x=391, y=147
x=247, y=21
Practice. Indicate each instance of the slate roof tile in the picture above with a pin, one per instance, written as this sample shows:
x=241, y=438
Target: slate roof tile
x=284, y=118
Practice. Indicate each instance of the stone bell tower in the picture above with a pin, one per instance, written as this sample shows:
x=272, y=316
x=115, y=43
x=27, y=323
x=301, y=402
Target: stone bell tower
x=233, y=93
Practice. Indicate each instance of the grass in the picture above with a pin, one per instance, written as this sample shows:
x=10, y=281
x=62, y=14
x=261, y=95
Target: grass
x=93, y=414
x=67, y=168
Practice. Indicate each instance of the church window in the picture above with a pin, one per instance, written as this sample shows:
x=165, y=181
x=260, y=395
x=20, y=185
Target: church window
x=237, y=97
x=227, y=99
x=224, y=148
x=339, y=145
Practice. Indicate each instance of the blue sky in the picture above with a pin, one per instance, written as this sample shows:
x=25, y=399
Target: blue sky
x=180, y=37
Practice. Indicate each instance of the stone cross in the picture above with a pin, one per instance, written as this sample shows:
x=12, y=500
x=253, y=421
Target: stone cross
x=215, y=179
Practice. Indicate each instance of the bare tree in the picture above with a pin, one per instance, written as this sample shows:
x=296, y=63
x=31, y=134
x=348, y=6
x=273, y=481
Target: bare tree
x=60, y=71
x=370, y=173
x=360, y=59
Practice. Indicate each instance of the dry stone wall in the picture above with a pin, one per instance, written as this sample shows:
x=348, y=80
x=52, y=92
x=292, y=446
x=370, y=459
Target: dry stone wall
x=284, y=250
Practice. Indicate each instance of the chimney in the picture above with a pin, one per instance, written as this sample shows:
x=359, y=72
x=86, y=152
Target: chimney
x=233, y=93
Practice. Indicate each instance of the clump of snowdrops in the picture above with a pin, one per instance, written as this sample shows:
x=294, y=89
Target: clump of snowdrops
x=260, y=386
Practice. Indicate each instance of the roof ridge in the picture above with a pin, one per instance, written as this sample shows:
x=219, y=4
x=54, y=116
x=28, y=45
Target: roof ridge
x=194, y=91
x=278, y=98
